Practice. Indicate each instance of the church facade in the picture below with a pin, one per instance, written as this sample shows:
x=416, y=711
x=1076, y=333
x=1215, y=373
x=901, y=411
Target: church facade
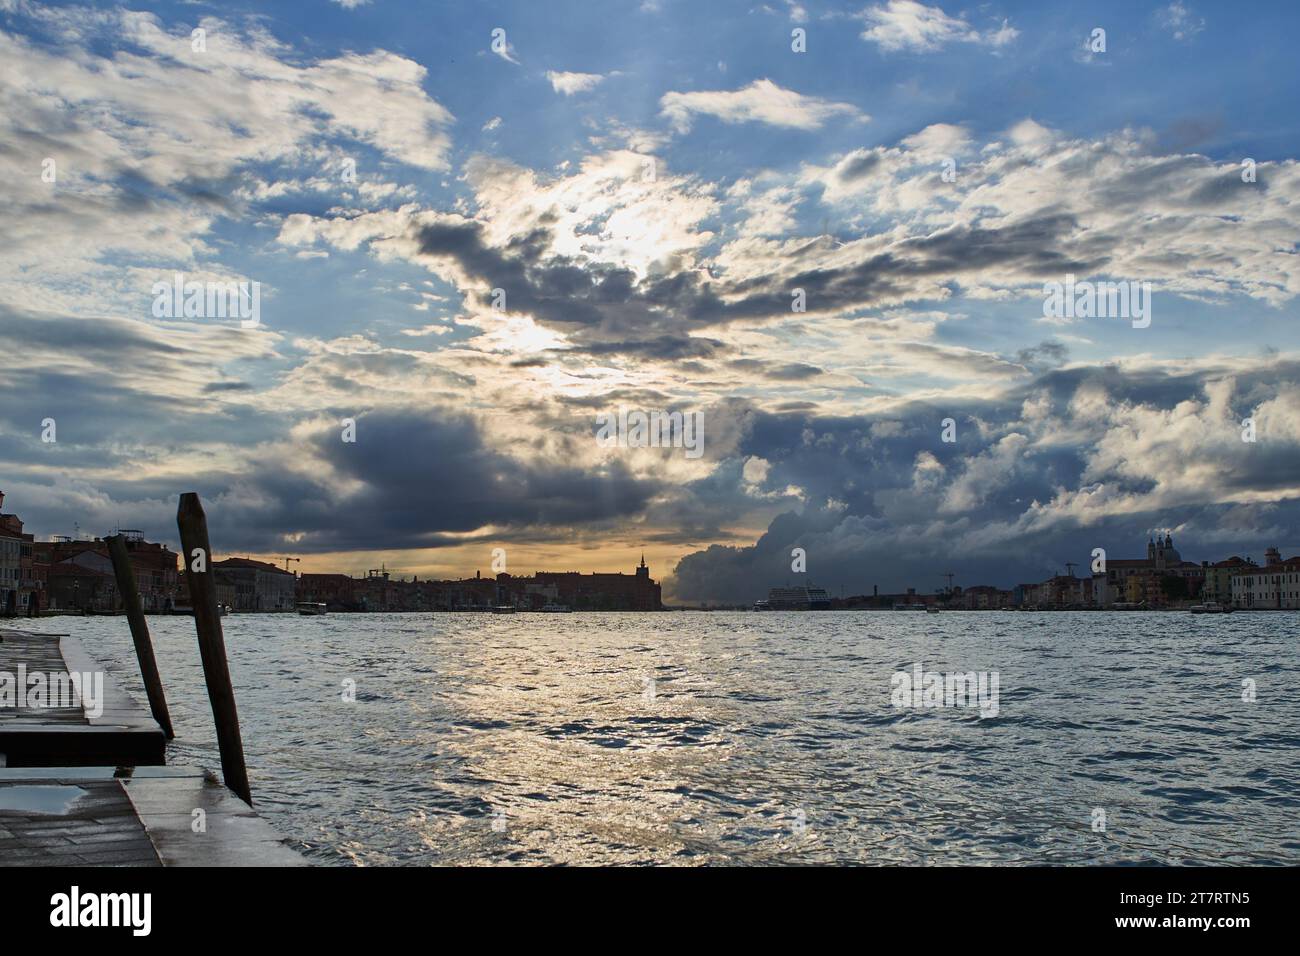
x=1142, y=580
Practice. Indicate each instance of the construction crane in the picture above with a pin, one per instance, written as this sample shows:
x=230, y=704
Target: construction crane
x=949, y=575
x=287, y=560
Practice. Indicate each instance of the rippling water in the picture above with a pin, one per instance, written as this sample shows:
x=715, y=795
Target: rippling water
x=769, y=738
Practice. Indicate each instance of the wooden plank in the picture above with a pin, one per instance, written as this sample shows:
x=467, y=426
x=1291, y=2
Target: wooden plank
x=53, y=823
x=124, y=733
x=86, y=788
x=131, y=817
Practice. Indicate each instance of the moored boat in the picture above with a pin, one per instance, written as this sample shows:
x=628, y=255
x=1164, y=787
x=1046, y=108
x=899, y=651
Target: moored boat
x=311, y=608
x=503, y=609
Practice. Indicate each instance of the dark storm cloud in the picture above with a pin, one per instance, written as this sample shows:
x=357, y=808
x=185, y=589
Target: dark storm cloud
x=1048, y=354
x=605, y=309
x=413, y=479
x=1162, y=389
x=118, y=390
x=856, y=166
x=104, y=421
x=791, y=372
x=859, y=553
x=663, y=347
x=888, y=503
x=1029, y=244
x=93, y=339
x=794, y=372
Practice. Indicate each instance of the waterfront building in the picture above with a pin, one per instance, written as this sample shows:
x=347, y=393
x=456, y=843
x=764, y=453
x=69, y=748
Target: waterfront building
x=11, y=544
x=40, y=595
x=22, y=590
x=225, y=588
x=1146, y=587
x=982, y=597
x=225, y=592
x=259, y=585
x=76, y=587
x=380, y=591
x=1275, y=586
x=1162, y=561
x=1062, y=591
x=874, y=600
x=155, y=567
x=603, y=591
x=1217, y=586
x=335, y=591
x=468, y=594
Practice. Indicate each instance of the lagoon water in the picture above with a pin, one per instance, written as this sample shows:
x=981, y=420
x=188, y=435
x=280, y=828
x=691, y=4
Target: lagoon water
x=746, y=738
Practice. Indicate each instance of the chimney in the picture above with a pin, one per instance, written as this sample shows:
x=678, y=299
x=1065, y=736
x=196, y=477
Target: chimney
x=2, y=499
x=875, y=590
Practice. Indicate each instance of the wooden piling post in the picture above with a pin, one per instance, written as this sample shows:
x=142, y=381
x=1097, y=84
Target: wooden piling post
x=126, y=586
x=196, y=552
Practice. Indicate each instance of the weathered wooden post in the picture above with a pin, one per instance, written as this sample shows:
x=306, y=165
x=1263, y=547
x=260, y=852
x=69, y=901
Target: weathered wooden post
x=197, y=555
x=125, y=574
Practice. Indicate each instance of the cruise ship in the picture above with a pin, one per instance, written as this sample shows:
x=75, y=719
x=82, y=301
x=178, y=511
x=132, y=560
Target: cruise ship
x=795, y=599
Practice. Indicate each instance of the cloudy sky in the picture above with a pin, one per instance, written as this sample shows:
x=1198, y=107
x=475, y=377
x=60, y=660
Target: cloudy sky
x=650, y=185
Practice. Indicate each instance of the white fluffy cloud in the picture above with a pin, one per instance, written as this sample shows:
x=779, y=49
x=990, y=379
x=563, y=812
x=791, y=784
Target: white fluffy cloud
x=150, y=148
x=908, y=25
x=571, y=83
x=760, y=102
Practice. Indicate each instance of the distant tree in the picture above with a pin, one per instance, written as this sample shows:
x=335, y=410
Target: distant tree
x=1174, y=587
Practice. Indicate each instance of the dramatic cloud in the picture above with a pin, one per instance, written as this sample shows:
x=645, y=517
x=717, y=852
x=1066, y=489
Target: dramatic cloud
x=823, y=295
x=119, y=164
x=415, y=479
x=1040, y=475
